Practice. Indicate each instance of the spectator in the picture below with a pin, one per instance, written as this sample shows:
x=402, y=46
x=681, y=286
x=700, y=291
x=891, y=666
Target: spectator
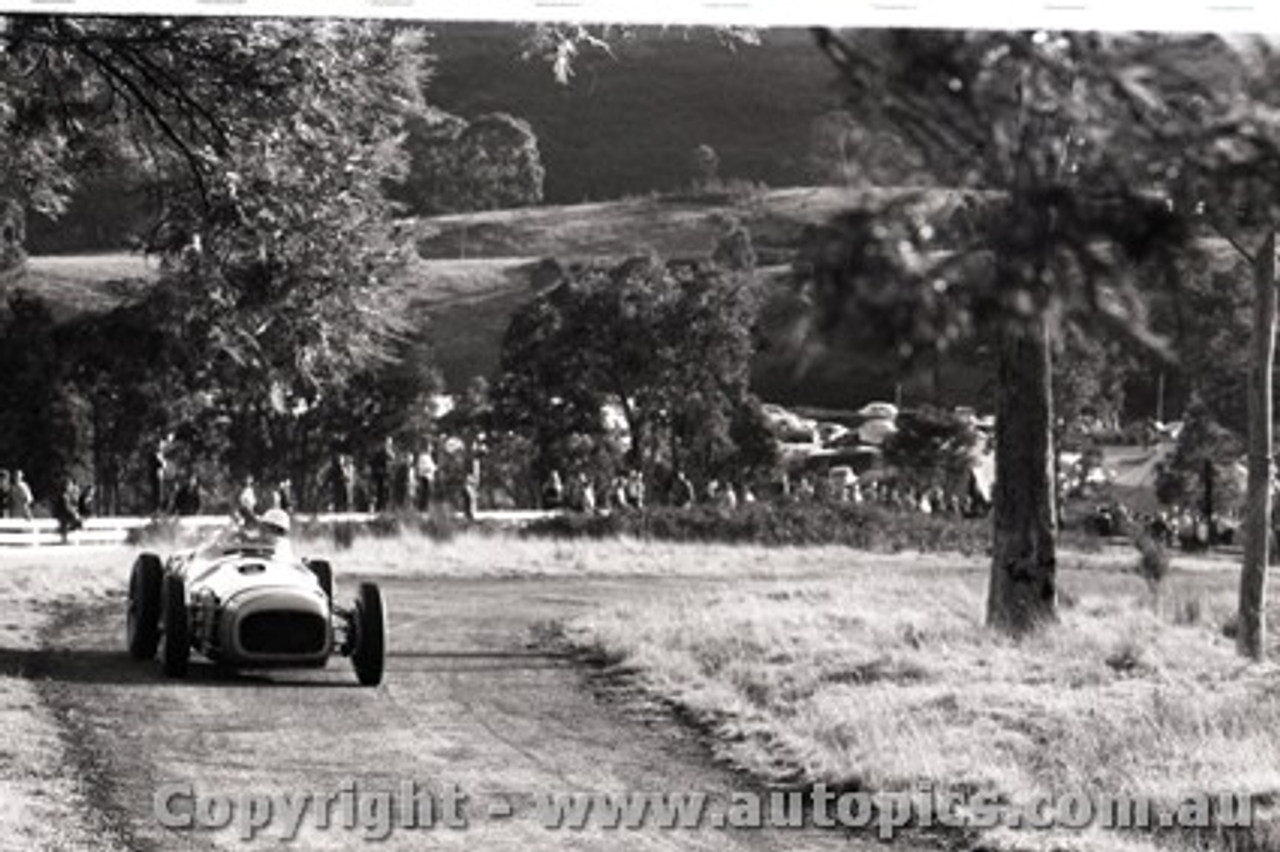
x=340, y=485
x=553, y=491
x=727, y=498
x=1160, y=528
x=402, y=481
x=682, y=492
x=472, y=488
x=187, y=501
x=64, y=509
x=20, y=498
x=425, y=470
x=586, y=493
x=157, y=467
x=806, y=491
x=4, y=493
x=247, y=502
x=282, y=496
x=85, y=504
x=618, y=492
x=635, y=489
x=381, y=467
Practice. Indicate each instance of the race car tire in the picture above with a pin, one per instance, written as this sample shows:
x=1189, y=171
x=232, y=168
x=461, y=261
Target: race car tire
x=176, y=651
x=142, y=619
x=324, y=573
x=369, y=656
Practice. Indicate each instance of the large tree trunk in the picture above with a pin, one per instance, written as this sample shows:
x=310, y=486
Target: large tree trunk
x=13, y=257
x=1022, y=593
x=1251, y=637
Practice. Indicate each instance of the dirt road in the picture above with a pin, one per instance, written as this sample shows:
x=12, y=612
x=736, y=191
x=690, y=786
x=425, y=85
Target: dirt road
x=469, y=700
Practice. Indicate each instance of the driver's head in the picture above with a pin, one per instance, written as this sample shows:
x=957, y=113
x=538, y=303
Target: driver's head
x=275, y=522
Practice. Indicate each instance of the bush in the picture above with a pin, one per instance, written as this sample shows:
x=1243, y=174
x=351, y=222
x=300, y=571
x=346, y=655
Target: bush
x=1153, y=561
x=781, y=524
x=438, y=525
x=159, y=532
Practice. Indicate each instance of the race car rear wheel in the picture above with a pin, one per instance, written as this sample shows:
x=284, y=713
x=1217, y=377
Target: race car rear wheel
x=324, y=573
x=176, y=652
x=142, y=620
x=369, y=656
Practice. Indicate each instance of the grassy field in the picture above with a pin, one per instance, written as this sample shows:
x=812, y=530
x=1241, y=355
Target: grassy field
x=881, y=676
x=858, y=669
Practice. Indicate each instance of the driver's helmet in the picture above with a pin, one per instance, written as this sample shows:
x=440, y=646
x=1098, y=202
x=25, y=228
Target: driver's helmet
x=275, y=522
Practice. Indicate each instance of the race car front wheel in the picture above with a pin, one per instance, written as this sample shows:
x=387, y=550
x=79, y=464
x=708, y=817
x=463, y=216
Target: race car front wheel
x=142, y=620
x=177, y=630
x=369, y=656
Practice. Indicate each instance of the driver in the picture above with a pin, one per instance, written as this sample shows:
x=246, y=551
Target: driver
x=272, y=529
x=268, y=531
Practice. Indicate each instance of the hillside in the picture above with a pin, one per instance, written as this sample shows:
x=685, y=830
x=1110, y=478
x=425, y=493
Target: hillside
x=626, y=126
x=474, y=272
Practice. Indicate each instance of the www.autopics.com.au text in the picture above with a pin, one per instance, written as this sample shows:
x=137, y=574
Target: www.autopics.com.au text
x=376, y=814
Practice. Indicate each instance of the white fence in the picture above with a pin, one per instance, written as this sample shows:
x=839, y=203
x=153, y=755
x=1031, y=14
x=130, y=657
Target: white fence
x=43, y=531
x=17, y=532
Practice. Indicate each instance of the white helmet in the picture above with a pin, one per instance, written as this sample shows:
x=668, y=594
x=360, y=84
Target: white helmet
x=276, y=521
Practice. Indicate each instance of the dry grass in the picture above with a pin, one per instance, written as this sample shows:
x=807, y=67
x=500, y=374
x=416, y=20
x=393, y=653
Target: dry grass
x=884, y=677
x=40, y=806
x=499, y=555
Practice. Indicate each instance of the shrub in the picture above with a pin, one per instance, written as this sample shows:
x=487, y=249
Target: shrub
x=159, y=532
x=1153, y=561
x=780, y=524
x=438, y=525
x=1189, y=612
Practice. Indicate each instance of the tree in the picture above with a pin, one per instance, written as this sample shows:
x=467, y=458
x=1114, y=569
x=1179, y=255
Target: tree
x=668, y=343
x=1089, y=375
x=135, y=377
x=41, y=419
x=848, y=152
x=456, y=166
x=1234, y=168
x=1063, y=134
x=705, y=164
x=268, y=143
x=12, y=254
x=931, y=447
x=1201, y=442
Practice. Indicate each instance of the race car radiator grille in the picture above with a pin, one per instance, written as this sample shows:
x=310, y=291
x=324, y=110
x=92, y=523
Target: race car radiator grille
x=283, y=632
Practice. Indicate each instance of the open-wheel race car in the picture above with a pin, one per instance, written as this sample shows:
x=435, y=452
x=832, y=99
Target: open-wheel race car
x=243, y=600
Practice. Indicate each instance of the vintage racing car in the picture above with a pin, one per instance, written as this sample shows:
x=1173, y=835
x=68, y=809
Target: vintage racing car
x=244, y=600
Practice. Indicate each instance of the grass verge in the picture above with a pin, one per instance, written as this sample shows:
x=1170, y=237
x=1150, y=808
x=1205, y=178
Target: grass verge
x=883, y=678
x=41, y=805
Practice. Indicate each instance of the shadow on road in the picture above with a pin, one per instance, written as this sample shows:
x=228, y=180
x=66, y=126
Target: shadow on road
x=116, y=668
